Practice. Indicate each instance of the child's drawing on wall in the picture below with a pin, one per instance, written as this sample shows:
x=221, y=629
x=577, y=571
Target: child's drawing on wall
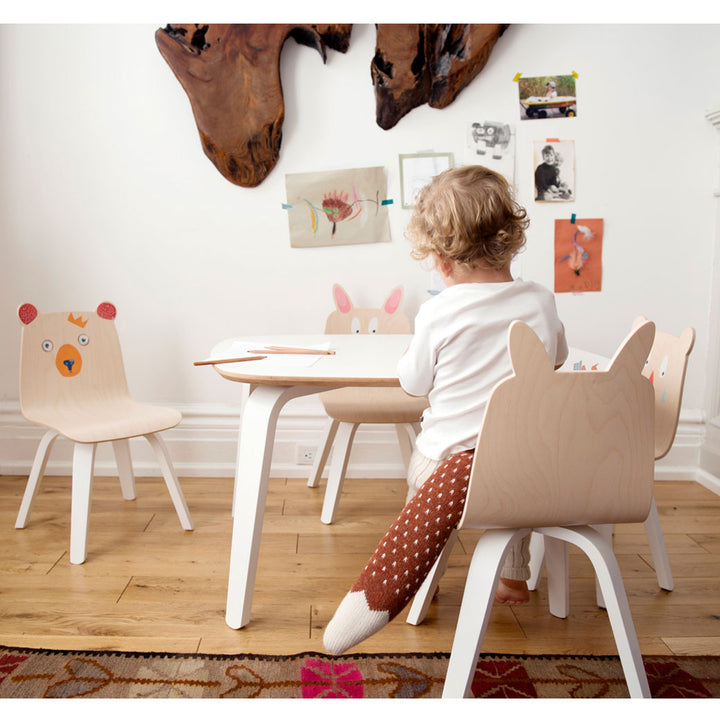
x=554, y=163
x=341, y=207
x=492, y=143
x=578, y=255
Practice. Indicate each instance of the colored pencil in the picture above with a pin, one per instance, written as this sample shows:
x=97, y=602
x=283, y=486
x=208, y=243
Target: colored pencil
x=281, y=350
x=221, y=361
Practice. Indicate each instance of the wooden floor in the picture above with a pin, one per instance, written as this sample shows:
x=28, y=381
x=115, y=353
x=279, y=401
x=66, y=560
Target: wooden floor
x=148, y=585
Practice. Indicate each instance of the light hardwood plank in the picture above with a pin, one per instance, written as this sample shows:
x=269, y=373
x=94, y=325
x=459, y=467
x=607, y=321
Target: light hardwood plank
x=148, y=585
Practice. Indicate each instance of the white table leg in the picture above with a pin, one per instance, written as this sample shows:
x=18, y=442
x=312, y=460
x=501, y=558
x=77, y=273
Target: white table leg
x=251, y=479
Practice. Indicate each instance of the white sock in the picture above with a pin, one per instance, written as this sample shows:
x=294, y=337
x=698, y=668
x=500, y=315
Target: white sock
x=352, y=623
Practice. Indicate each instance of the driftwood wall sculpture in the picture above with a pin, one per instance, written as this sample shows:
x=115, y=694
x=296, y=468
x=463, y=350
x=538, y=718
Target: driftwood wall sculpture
x=416, y=64
x=231, y=74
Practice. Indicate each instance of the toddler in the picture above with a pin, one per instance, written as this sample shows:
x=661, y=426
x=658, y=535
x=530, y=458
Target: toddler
x=468, y=223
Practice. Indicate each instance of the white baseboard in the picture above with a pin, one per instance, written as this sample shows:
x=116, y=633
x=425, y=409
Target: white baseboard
x=204, y=444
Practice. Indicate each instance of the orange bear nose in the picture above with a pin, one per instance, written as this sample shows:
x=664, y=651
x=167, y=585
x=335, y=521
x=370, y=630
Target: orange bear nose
x=68, y=361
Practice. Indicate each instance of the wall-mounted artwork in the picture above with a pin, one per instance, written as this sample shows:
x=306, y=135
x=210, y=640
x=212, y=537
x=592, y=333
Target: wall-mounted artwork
x=492, y=143
x=554, y=163
x=416, y=64
x=339, y=207
x=547, y=96
x=417, y=170
x=231, y=75
x=578, y=255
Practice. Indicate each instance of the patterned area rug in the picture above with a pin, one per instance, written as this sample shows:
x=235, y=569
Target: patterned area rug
x=63, y=674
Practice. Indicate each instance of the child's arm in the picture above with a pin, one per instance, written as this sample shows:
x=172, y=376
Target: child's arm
x=416, y=368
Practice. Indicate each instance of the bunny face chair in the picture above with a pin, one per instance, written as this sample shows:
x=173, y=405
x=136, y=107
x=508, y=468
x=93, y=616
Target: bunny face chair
x=72, y=381
x=347, y=408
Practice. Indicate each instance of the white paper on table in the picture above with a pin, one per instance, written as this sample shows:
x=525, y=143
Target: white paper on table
x=240, y=349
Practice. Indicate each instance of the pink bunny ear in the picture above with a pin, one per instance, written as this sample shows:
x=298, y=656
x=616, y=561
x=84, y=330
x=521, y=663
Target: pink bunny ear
x=106, y=311
x=27, y=313
x=394, y=299
x=342, y=300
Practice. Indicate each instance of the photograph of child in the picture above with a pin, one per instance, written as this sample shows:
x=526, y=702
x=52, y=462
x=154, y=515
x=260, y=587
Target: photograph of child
x=552, y=96
x=554, y=163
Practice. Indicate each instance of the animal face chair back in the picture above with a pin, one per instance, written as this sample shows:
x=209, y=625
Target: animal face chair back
x=575, y=447
x=66, y=357
x=346, y=318
x=665, y=368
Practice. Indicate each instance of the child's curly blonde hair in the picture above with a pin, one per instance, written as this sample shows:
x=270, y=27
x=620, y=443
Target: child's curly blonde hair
x=468, y=215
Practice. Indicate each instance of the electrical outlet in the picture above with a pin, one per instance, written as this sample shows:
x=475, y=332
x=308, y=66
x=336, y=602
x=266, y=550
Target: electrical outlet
x=305, y=454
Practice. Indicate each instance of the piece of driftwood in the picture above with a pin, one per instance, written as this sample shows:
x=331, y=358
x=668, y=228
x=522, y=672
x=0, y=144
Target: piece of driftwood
x=420, y=63
x=231, y=74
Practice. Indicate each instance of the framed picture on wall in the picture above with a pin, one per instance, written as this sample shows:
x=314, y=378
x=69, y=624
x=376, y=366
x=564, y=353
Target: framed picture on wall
x=418, y=170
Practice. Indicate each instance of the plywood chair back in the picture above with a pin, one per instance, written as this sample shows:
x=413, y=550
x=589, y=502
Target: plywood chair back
x=565, y=448
x=665, y=367
x=72, y=377
x=373, y=405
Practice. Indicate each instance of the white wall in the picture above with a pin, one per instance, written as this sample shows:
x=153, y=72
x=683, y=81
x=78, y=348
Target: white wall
x=105, y=193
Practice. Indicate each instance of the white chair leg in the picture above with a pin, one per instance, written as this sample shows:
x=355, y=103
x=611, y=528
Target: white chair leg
x=343, y=445
x=600, y=552
x=426, y=592
x=556, y=563
x=173, y=486
x=480, y=586
x=406, y=437
x=123, y=459
x=657, y=548
x=82, y=475
x=323, y=453
x=36, y=474
x=537, y=559
x=607, y=532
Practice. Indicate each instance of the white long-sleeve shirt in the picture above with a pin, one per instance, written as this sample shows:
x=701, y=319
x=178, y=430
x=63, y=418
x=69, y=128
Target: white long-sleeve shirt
x=459, y=353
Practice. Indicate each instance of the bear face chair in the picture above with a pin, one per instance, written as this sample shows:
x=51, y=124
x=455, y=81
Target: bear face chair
x=72, y=381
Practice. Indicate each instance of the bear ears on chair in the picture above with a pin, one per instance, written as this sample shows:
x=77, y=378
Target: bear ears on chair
x=27, y=312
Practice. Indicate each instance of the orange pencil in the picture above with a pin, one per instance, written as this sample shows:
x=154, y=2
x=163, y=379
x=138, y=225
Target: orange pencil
x=220, y=361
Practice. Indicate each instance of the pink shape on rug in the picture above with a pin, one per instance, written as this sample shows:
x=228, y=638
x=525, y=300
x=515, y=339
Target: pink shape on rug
x=323, y=679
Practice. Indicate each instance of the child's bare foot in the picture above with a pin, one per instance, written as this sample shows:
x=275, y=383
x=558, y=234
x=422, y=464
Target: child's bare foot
x=512, y=592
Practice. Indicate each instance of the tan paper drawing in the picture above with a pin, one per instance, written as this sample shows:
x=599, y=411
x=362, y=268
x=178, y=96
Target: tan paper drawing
x=338, y=207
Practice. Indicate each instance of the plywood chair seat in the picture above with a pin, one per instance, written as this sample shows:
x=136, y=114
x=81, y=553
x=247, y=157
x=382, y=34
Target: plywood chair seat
x=348, y=408
x=556, y=453
x=102, y=421
x=72, y=381
x=373, y=405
